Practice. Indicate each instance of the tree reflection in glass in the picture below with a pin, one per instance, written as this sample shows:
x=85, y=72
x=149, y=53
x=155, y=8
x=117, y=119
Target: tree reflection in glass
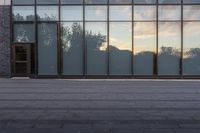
x=96, y=43
x=120, y=48
x=72, y=47
x=169, y=40
x=25, y=13
x=144, y=47
x=191, y=46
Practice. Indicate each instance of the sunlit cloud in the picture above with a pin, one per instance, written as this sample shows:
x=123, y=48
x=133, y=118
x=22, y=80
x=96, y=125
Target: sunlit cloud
x=144, y=12
x=169, y=12
x=191, y=12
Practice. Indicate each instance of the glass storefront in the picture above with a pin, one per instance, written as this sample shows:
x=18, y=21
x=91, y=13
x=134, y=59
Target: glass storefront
x=144, y=38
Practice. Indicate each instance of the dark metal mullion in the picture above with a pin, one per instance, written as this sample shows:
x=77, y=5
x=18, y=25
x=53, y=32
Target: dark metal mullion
x=133, y=37
x=84, y=44
x=59, y=47
x=156, y=73
x=181, y=57
x=36, y=40
x=12, y=40
x=108, y=39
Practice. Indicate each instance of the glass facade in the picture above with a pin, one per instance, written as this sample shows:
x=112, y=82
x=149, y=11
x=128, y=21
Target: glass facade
x=147, y=38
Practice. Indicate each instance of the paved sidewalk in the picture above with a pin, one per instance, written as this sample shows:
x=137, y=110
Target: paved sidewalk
x=99, y=106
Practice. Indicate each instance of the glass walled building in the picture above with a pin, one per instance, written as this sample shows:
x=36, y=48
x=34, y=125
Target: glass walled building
x=105, y=38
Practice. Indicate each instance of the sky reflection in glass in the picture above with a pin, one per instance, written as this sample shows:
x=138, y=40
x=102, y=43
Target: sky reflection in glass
x=123, y=13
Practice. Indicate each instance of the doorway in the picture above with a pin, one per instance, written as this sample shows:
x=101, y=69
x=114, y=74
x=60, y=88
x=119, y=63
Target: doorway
x=22, y=60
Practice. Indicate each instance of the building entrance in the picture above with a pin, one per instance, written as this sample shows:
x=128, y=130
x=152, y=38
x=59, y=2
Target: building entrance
x=22, y=60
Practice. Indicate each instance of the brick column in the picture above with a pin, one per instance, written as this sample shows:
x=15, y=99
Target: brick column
x=5, y=41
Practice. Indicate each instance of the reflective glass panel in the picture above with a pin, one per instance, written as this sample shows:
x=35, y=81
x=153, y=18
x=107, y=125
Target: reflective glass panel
x=123, y=13
x=191, y=46
x=47, y=2
x=72, y=47
x=120, y=1
x=145, y=1
x=47, y=49
x=23, y=13
x=24, y=2
x=191, y=1
x=47, y=13
x=144, y=13
x=96, y=1
x=95, y=13
x=71, y=1
x=71, y=13
x=120, y=48
x=169, y=1
x=96, y=41
x=191, y=12
x=24, y=33
x=169, y=12
x=169, y=40
x=144, y=47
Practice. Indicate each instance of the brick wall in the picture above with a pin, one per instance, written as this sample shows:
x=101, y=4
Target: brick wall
x=5, y=41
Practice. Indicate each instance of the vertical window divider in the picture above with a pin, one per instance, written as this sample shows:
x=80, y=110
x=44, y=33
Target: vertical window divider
x=181, y=58
x=60, y=53
x=157, y=45
x=84, y=44
x=36, y=39
x=132, y=54
x=108, y=38
x=12, y=40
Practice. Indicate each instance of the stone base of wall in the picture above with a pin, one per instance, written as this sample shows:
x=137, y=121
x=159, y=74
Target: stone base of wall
x=5, y=42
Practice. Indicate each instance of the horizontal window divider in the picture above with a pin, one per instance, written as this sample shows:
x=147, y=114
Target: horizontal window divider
x=47, y=21
x=23, y=4
x=17, y=43
x=100, y=4
x=144, y=21
x=191, y=20
x=24, y=22
x=63, y=21
x=95, y=21
x=47, y=4
x=169, y=20
x=120, y=21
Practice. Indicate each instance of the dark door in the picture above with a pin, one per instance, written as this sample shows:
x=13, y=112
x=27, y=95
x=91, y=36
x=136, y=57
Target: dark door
x=22, y=60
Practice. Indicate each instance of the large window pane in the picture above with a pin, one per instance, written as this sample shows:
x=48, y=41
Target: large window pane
x=120, y=48
x=144, y=47
x=169, y=1
x=96, y=1
x=24, y=2
x=191, y=1
x=23, y=13
x=169, y=48
x=24, y=33
x=169, y=12
x=144, y=13
x=191, y=46
x=120, y=1
x=71, y=13
x=47, y=13
x=191, y=12
x=145, y=1
x=71, y=1
x=123, y=13
x=95, y=13
x=47, y=2
x=72, y=46
x=96, y=41
x=47, y=49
